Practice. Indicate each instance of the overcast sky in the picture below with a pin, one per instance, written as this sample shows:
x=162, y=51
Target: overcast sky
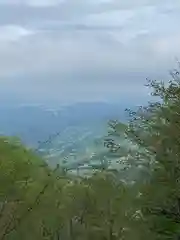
x=81, y=50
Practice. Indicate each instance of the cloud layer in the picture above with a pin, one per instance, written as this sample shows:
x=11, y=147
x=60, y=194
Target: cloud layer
x=81, y=50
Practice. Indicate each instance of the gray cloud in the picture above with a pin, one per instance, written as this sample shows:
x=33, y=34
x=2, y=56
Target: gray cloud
x=86, y=49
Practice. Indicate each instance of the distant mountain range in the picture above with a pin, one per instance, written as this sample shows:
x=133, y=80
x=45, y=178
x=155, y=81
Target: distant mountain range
x=36, y=123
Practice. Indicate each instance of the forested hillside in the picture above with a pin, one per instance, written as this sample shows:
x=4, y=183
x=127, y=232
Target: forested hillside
x=38, y=202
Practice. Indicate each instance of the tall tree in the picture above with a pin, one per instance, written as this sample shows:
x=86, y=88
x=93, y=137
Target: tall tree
x=154, y=135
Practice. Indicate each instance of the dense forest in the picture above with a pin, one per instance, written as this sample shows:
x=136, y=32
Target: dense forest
x=37, y=202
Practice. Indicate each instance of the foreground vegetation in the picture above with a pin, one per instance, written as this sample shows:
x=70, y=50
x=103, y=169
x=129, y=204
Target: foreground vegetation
x=37, y=202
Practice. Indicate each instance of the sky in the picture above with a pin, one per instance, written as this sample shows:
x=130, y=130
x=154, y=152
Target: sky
x=86, y=50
